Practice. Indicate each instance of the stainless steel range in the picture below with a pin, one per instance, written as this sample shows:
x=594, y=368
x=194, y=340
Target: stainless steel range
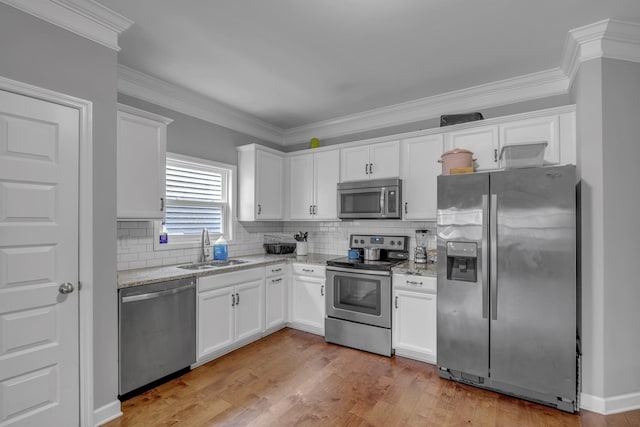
x=358, y=299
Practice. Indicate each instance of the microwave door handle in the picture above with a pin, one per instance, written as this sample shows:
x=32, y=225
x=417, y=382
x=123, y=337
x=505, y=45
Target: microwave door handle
x=382, y=195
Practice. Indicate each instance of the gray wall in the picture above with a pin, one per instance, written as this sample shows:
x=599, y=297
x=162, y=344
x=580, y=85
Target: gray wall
x=607, y=96
x=488, y=113
x=587, y=91
x=621, y=160
x=47, y=56
x=198, y=138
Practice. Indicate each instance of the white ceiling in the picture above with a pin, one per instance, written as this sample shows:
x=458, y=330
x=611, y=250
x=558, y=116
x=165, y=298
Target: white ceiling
x=293, y=63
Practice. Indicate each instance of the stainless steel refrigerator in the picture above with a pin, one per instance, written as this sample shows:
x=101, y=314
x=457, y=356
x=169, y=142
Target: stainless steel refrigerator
x=507, y=282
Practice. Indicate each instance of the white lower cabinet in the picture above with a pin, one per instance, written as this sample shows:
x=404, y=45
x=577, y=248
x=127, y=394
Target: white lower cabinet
x=307, y=298
x=414, y=317
x=275, y=297
x=230, y=311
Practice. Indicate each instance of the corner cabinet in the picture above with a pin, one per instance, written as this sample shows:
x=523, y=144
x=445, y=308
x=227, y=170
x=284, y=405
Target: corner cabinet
x=141, y=164
x=260, y=183
x=419, y=172
x=373, y=161
x=414, y=317
x=312, y=185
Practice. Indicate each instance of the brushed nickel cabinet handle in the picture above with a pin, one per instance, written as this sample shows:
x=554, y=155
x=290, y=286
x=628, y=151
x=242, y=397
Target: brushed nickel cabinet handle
x=396, y=301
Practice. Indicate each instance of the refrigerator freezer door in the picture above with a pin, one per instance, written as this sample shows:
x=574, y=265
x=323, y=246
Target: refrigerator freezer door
x=463, y=322
x=533, y=339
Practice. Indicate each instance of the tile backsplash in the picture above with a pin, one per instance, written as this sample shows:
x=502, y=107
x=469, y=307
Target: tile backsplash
x=136, y=239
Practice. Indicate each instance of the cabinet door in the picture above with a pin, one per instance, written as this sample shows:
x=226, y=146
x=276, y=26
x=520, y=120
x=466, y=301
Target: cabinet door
x=483, y=141
x=141, y=158
x=307, y=304
x=384, y=160
x=249, y=310
x=326, y=177
x=414, y=325
x=269, y=179
x=354, y=163
x=301, y=187
x=215, y=320
x=534, y=130
x=420, y=170
x=275, y=306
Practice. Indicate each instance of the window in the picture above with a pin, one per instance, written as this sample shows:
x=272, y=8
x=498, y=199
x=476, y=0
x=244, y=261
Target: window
x=198, y=195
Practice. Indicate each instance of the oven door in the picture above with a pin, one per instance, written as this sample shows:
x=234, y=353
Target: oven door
x=359, y=296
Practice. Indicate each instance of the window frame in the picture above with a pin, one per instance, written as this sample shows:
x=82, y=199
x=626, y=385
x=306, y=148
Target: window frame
x=193, y=241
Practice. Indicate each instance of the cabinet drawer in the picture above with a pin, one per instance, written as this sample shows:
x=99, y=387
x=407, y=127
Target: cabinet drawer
x=275, y=270
x=308, y=270
x=218, y=281
x=415, y=282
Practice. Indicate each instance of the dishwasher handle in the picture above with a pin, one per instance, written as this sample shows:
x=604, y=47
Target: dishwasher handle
x=153, y=295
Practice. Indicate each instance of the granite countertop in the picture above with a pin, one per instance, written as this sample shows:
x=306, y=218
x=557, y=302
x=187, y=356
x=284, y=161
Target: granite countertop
x=411, y=267
x=144, y=276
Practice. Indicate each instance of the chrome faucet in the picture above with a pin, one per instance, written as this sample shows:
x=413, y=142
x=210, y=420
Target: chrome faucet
x=204, y=245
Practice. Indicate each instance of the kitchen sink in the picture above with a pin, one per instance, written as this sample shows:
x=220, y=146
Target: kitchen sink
x=212, y=264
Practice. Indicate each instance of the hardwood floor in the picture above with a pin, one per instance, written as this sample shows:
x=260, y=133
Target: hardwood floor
x=294, y=378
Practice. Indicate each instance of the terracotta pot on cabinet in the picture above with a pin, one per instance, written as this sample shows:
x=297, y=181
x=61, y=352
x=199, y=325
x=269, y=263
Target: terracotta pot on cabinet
x=456, y=159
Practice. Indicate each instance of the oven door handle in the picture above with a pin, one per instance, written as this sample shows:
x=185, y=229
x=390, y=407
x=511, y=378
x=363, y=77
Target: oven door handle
x=359, y=271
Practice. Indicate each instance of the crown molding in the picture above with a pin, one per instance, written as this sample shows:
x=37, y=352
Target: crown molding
x=85, y=18
x=610, y=38
x=160, y=92
x=517, y=89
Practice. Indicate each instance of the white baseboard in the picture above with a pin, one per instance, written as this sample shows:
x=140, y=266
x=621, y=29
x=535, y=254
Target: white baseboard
x=106, y=413
x=610, y=405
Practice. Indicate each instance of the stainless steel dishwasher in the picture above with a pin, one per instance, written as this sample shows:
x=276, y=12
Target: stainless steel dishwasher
x=157, y=331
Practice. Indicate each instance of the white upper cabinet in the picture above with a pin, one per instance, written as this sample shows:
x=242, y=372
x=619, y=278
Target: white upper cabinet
x=483, y=141
x=373, y=161
x=312, y=185
x=141, y=164
x=260, y=183
x=534, y=130
x=486, y=142
x=419, y=173
x=557, y=130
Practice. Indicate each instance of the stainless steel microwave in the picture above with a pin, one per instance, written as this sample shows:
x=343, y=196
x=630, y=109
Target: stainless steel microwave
x=371, y=199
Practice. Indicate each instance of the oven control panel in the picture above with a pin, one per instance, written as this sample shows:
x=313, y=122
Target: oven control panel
x=397, y=243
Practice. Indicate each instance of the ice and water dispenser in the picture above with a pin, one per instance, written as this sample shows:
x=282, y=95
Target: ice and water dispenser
x=462, y=261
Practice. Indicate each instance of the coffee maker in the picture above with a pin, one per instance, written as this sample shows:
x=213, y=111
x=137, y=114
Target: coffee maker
x=425, y=251
x=420, y=253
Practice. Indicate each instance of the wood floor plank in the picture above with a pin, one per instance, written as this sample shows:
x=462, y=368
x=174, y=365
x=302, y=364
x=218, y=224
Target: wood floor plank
x=292, y=378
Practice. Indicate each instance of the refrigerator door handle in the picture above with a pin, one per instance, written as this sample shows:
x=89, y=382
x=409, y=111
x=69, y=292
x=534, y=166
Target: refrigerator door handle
x=493, y=273
x=485, y=256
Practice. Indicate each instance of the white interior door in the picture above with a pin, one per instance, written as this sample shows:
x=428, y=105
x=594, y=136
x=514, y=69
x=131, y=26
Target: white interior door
x=39, y=355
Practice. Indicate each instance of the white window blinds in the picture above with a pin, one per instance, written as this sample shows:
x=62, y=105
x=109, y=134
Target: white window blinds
x=197, y=197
